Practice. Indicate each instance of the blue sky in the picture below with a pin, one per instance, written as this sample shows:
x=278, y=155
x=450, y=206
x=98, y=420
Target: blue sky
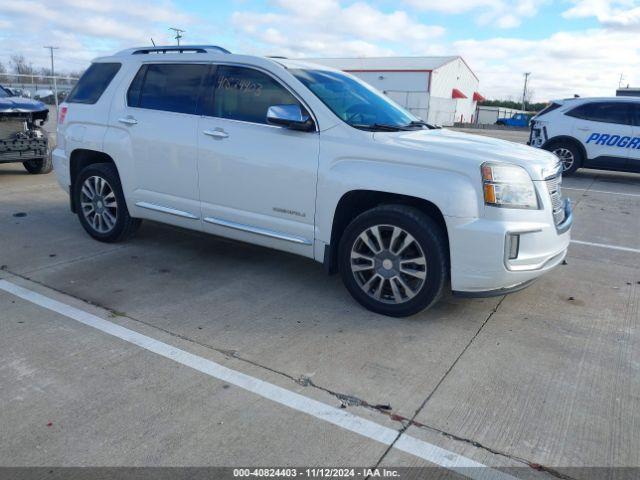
x=570, y=46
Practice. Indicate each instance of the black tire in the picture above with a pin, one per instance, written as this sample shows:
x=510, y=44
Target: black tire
x=124, y=225
x=433, y=246
x=559, y=147
x=38, y=165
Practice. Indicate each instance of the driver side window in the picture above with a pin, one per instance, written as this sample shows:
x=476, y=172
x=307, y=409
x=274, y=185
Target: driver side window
x=245, y=94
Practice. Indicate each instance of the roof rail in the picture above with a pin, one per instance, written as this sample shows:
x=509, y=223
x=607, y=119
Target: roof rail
x=179, y=49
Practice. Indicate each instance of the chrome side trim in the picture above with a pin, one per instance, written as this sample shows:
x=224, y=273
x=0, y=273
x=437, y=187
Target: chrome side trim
x=170, y=211
x=258, y=231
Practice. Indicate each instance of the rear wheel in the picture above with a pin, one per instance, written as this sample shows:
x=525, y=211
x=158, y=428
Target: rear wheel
x=393, y=260
x=38, y=165
x=101, y=206
x=568, y=153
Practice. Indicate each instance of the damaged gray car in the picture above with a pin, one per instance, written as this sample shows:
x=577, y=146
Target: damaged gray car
x=21, y=136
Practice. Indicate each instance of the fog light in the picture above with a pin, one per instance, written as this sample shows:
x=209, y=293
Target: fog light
x=514, y=246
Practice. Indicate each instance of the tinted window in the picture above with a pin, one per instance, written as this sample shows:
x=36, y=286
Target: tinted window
x=133, y=94
x=245, y=94
x=635, y=114
x=3, y=92
x=93, y=83
x=173, y=88
x=355, y=102
x=606, y=112
x=549, y=108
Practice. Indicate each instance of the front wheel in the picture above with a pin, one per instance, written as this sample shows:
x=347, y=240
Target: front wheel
x=394, y=260
x=101, y=205
x=38, y=165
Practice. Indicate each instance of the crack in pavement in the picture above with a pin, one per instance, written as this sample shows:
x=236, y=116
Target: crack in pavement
x=346, y=400
x=411, y=420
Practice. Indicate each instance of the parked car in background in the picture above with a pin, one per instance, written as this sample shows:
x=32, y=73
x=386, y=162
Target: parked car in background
x=21, y=136
x=18, y=92
x=45, y=95
x=516, y=120
x=310, y=160
x=601, y=133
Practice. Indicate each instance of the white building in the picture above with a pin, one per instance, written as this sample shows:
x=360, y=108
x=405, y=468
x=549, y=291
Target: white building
x=440, y=90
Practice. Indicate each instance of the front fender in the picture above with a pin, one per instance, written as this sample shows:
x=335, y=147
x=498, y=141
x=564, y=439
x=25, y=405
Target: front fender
x=453, y=193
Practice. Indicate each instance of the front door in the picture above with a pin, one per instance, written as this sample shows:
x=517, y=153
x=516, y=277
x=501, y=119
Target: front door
x=257, y=181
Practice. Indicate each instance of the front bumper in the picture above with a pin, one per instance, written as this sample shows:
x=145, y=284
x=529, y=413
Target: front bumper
x=480, y=263
x=22, y=149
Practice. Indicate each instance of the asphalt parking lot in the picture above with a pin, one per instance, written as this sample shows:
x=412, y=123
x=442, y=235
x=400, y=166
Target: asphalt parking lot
x=181, y=349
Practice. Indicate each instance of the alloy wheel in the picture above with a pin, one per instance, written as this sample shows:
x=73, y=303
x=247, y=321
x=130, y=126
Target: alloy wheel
x=388, y=264
x=99, y=204
x=566, y=156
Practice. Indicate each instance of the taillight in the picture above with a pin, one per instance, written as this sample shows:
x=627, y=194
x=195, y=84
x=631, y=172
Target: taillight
x=62, y=115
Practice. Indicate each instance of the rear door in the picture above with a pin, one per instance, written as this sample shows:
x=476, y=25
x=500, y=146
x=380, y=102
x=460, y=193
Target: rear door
x=158, y=119
x=605, y=129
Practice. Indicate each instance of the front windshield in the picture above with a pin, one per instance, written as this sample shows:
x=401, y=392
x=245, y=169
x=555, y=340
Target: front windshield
x=355, y=102
x=3, y=93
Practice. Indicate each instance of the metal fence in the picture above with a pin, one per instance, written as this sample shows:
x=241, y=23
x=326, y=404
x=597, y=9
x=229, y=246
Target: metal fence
x=39, y=87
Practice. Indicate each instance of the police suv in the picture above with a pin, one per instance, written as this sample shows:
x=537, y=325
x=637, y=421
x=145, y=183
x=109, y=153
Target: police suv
x=602, y=133
x=310, y=160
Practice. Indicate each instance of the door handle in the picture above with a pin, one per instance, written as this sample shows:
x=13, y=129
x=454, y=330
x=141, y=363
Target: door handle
x=216, y=133
x=128, y=120
x=583, y=129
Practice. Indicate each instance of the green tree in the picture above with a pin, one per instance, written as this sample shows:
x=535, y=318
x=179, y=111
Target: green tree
x=531, y=107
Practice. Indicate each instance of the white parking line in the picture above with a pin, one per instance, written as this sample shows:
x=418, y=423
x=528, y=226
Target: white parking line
x=587, y=190
x=341, y=418
x=604, y=245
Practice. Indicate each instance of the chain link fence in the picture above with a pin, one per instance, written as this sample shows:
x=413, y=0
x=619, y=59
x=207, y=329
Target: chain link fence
x=38, y=87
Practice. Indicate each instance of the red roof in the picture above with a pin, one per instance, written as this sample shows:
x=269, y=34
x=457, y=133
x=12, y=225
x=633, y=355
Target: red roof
x=477, y=97
x=455, y=93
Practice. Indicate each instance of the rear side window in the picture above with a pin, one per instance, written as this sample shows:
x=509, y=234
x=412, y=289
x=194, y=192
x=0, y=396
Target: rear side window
x=168, y=87
x=93, y=83
x=245, y=94
x=635, y=114
x=549, y=108
x=605, y=112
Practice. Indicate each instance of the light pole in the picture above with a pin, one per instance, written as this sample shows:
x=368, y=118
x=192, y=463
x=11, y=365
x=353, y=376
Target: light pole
x=524, y=91
x=53, y=75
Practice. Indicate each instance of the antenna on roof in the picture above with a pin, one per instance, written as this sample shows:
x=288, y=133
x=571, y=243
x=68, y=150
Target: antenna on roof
x=152, y=42
x=179, y=33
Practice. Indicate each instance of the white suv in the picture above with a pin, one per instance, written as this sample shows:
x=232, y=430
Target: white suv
x=310, y=160
x=602, y=133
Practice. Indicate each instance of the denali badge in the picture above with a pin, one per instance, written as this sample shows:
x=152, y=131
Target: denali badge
x=289, y=212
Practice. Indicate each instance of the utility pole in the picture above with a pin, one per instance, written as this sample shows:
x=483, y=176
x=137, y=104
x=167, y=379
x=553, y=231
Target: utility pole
x=179, y=33
x=524, y=91
x=53, y=74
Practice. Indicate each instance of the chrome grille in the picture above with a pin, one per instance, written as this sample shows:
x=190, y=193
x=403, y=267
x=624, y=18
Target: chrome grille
x=555, y=193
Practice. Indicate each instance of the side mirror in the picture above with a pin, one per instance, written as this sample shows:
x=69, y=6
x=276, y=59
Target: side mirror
x=289, y=116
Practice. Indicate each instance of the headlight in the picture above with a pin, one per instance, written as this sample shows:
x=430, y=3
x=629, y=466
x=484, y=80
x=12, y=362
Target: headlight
x=509, y=186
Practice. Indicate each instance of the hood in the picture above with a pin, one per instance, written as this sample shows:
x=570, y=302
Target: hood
x=470, y=151
x=20, y=105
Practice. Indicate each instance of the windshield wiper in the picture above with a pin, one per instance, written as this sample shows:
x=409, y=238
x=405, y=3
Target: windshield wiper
x=420, y=123
x=379, y=127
